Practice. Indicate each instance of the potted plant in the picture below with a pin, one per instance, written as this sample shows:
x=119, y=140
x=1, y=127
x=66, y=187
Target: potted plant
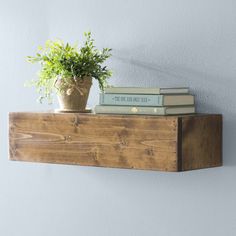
x=68, y=70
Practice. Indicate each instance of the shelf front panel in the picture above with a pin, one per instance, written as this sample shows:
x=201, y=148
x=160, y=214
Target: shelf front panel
x=138, y=142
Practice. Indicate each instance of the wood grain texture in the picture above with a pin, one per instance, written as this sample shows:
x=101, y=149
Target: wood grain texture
x=138, y=142
x=201, y=142
x=95, y=140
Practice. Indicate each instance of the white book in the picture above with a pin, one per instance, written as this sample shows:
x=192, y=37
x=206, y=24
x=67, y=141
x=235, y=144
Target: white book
x=139, y=90
x=99, y=109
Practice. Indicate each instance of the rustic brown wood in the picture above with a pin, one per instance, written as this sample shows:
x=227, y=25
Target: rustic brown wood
x=167, y=143
x=201, y=142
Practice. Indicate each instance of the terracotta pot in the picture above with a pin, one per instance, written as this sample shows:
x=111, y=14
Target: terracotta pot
x=73, y=96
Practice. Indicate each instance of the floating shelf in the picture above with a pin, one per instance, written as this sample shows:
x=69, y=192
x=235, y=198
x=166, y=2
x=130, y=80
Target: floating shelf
x=166, y=143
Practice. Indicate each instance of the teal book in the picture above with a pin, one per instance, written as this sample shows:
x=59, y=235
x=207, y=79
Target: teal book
x=156, y=111
x=114, y=99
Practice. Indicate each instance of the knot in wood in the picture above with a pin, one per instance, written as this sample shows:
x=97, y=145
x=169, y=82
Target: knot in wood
x=123, y=138
x=150, y=152
x=76, y=121
x=67, y=138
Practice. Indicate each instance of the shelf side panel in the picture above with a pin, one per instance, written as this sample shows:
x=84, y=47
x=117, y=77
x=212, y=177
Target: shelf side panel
x=201, y=142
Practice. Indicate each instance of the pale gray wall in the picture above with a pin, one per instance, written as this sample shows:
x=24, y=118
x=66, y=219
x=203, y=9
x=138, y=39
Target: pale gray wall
x=156, y=43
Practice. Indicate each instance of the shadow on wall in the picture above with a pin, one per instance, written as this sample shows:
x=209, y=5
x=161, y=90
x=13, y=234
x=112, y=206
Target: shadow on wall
x=214, y=94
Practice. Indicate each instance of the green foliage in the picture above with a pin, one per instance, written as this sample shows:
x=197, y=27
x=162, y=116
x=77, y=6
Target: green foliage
x=65, y=61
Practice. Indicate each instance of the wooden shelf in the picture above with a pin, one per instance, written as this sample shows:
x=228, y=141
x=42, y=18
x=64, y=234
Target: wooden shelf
x=167, y=143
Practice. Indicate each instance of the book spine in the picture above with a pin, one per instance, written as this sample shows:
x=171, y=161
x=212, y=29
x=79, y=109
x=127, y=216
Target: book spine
x=131, y=99
x=139, y=90
x=131, y=90
x=130, y=110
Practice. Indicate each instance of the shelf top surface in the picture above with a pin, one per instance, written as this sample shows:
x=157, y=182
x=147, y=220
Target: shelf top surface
x=51, y=112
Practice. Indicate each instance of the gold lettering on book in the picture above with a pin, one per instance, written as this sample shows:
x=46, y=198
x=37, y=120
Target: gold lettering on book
x=134, y=110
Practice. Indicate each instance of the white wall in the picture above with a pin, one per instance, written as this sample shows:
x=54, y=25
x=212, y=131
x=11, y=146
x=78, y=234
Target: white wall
x=155, y=43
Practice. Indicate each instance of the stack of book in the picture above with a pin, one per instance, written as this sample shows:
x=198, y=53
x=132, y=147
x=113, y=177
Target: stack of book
x=145, y=101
